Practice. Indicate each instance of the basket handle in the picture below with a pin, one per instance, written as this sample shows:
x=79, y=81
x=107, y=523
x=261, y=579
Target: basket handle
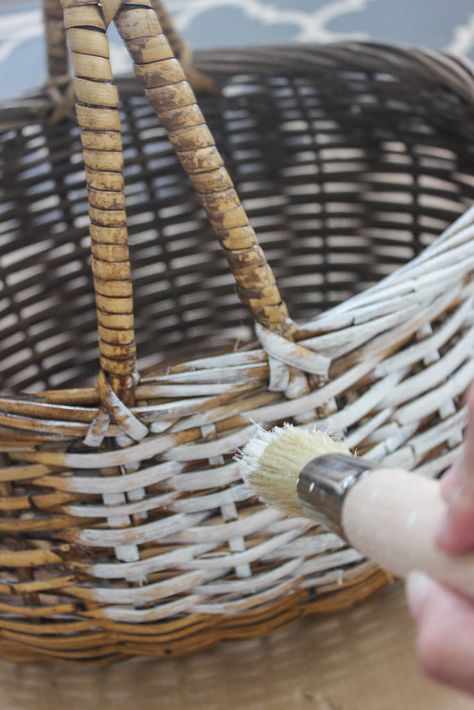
x=97, y=110
x=176, y=106
x=57, y=54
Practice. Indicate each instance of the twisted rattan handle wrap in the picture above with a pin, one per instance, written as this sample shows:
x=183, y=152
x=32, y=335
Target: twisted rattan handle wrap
x=181, y=49
x=56, y=45
x=178, y=45
x=98, y=118
x=176, y=106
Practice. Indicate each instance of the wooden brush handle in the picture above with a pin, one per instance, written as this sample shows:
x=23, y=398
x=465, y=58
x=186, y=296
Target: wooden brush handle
x=392, y=517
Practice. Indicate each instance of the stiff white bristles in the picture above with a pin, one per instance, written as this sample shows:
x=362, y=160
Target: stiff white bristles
x=273, y=460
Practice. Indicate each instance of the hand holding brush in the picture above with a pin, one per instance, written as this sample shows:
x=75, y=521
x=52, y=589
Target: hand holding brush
x=445, y=619
x=408, y=524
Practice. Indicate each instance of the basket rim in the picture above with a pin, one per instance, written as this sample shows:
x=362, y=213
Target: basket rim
x=449, y=69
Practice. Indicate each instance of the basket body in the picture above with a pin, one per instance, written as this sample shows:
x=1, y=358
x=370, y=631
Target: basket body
x=350, y=160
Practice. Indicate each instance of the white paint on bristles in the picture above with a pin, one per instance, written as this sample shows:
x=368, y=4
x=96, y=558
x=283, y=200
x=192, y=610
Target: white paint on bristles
x=272, y=461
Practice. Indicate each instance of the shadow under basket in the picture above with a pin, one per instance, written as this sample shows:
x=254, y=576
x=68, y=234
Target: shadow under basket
x=125, y=526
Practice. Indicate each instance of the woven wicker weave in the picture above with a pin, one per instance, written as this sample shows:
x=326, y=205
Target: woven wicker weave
x=125, y=527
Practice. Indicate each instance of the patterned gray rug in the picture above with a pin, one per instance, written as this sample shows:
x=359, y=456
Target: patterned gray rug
x=209, y=23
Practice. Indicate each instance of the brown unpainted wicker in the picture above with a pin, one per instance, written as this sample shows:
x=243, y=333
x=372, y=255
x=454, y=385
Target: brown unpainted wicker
x=125, y=527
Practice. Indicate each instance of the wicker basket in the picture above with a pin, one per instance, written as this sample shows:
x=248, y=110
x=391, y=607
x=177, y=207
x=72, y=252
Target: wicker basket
x=125, y=525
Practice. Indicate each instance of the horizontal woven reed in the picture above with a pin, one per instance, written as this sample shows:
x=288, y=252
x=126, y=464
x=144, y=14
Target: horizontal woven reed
x=125, y=526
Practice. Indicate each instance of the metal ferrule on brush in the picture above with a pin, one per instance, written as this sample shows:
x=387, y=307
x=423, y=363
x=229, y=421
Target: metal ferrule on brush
x=323, y=485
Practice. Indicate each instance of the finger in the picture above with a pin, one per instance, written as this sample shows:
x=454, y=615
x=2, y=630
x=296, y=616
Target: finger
x=450, y=481
x=456, y=532
x=445, y=632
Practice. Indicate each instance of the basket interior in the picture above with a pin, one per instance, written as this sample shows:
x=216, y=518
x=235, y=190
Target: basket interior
x=344, y=178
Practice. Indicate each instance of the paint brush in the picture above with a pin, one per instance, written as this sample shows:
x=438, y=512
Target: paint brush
x=388, y=514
